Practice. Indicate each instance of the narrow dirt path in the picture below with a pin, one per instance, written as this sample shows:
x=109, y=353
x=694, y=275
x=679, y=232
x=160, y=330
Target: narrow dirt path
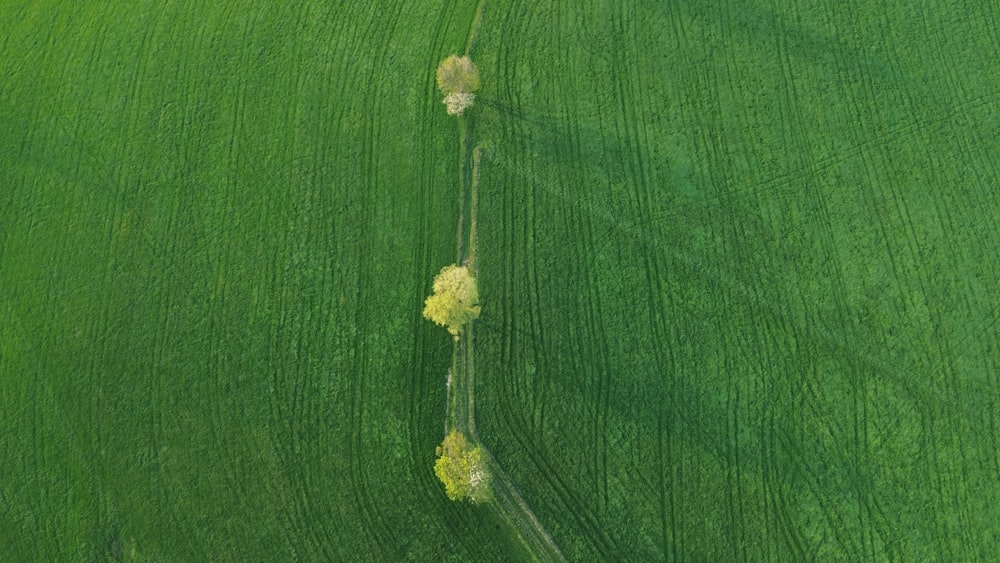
x=508, y=502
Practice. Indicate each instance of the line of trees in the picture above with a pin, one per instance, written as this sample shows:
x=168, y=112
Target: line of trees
x=454, y=303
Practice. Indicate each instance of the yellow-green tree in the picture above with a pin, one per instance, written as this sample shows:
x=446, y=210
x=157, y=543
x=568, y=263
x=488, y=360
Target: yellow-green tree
x=455, y=301
x=462, y=469
x=458, y=79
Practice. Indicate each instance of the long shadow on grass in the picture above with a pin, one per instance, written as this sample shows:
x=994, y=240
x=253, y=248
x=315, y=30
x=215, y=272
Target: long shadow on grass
x=846, y=351
x=756, y=24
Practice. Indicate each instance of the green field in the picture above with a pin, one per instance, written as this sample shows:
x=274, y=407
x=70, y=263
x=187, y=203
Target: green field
x=738, y=265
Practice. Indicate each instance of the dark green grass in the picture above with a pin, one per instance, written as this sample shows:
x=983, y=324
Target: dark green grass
x=737, y=265
x=739, y=273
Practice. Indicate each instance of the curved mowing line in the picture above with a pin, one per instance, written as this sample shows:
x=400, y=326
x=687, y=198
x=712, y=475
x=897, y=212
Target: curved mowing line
x=508, y=501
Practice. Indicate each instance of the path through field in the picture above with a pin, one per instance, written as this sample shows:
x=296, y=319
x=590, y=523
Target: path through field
x=461, y=387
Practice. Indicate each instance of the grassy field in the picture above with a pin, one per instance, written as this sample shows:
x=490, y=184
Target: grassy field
x=742, y=262
x=738, y=265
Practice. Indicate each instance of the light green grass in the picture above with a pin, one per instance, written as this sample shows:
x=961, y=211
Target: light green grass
x=217, y=229
x=737, y=263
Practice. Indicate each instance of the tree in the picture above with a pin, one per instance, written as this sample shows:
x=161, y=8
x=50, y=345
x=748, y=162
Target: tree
x=458, y=79
x=456, y=103
x=455, y=301
x=462, y=469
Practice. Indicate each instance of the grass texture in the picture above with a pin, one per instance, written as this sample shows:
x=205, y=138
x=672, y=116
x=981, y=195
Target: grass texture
x=737, y=264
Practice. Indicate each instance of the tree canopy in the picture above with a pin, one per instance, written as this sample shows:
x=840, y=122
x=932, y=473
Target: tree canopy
x=462, y=469
x=457, y=74
x=455, y=301
x=458, y=79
